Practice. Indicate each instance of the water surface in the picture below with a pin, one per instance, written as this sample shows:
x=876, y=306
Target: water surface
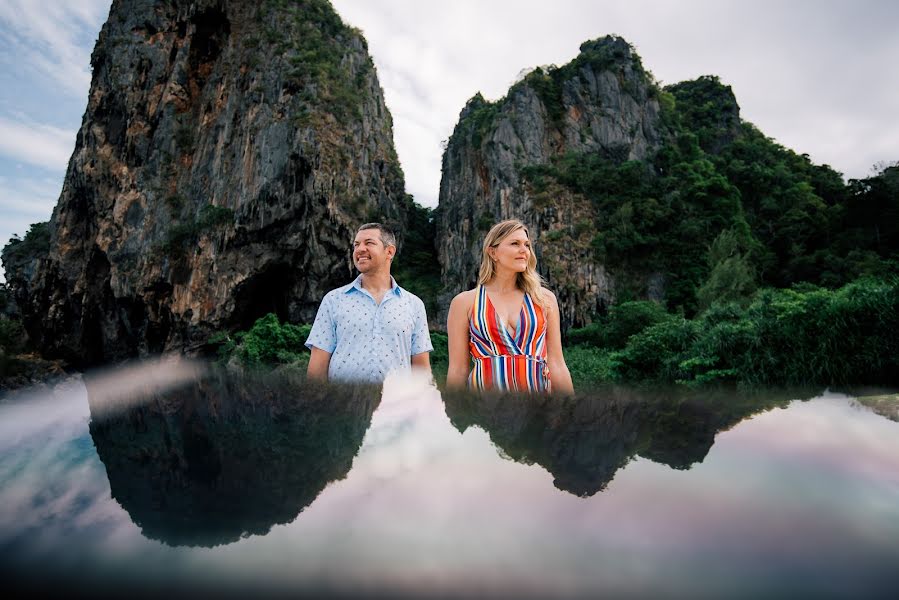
x=178, y=477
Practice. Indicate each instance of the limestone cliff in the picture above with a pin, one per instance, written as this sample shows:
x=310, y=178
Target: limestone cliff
x=603, y=102
x=227, y=152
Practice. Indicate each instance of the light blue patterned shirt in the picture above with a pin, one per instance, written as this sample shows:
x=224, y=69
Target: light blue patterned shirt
x=368, y=340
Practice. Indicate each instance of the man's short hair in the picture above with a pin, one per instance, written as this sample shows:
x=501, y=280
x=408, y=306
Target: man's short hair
x=387, y=236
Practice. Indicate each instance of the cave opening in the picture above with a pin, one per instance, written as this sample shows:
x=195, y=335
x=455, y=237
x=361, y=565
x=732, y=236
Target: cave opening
x=267, y=291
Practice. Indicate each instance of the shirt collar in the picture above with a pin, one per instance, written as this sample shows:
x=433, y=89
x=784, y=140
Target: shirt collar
x=357, y=285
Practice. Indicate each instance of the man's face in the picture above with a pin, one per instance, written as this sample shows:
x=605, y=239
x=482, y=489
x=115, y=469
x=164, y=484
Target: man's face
x=369, y=252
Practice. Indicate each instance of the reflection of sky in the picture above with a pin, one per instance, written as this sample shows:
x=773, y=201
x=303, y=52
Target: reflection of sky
x=805, y=496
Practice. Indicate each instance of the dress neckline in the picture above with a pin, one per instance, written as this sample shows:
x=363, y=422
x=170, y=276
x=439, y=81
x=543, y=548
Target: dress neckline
x=501, y=321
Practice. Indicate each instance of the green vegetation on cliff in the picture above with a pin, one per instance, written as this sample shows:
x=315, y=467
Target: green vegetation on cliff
x=415, y=267
x=35, y=245
x=784, y=220
x=312, y=41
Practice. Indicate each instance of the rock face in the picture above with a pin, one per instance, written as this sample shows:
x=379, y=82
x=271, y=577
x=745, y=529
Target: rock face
x=227, y=154
x=602, y=102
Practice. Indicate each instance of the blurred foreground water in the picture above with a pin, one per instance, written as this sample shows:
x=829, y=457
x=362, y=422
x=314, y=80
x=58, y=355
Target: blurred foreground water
x=167, y=477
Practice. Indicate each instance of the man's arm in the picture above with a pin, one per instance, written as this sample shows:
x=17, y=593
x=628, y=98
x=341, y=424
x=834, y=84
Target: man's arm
x=322, y=341
x=422, y=361
x=318, y=364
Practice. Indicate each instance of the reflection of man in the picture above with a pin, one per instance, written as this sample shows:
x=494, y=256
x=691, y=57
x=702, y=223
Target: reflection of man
x=371, y=326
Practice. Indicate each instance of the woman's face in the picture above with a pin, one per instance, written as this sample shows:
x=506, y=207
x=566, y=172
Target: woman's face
x=513, y=252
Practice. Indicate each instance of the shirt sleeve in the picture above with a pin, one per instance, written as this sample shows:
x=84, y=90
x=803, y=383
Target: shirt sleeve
x=324, y=332
x=421, y=339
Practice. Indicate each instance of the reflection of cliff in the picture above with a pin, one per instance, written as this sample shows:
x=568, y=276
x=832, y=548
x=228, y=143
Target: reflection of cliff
x=583, y=441
x=228, y=457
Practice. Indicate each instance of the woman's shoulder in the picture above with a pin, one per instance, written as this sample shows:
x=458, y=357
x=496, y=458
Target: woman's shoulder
x=549, y=299
x=465, y=298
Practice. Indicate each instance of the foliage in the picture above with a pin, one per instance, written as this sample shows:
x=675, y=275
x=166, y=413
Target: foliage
x=732, y=278
x=440, y=356
x=649, y=222
x=707, y=108
x=268, y=343
x=657, y=351
x=787, y=336
x=619, y=324
x=415, y=267
x=35, y=244
x=589, y=366
x=479, y=116
x=313, y=42
x=184, y=139
x=785, y=219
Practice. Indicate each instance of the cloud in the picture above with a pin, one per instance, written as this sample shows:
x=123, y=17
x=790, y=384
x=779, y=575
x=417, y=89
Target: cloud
x=36, y=144
x=24, y=201
x=29, y=196
x=55, y=38
x=814, y=75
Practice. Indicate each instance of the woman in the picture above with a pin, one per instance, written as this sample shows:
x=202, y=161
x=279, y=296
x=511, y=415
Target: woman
x=508, y=324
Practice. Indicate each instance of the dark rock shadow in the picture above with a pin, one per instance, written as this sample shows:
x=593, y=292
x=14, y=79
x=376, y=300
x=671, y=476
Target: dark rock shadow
x=583, y=441
x=229, y=456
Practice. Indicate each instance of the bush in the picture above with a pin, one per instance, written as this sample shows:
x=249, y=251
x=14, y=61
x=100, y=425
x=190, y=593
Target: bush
x=823, y=336
x=440, y=355
x=589, y=366
x=657, y=351
x=798, y=336
x=623, y=321
x=268, y=343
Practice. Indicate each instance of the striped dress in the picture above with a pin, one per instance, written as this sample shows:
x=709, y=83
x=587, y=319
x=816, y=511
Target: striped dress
x=504, y=359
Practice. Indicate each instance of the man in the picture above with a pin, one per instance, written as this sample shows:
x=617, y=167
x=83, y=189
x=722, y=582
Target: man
x=371, y=326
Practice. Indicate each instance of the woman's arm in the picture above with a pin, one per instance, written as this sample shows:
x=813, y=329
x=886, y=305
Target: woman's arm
x=457, y=332
x=558, y=370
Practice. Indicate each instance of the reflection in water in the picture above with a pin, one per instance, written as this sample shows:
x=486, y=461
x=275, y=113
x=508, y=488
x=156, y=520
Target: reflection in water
x=584, y=441
x=801, y=501
x=227, y=457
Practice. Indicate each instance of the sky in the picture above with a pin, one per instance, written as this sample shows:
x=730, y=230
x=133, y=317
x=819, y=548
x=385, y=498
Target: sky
x=818, y=76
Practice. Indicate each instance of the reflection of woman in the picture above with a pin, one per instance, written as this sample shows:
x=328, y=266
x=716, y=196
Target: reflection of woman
x=509, y=324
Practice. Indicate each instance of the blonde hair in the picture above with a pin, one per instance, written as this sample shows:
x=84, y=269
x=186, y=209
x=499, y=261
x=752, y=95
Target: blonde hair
x=528, y=281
